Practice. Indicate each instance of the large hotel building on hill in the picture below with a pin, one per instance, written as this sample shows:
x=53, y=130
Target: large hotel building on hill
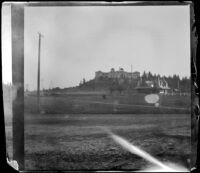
x=117, y=74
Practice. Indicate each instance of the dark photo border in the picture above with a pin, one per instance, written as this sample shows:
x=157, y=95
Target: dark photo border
x=17, y=32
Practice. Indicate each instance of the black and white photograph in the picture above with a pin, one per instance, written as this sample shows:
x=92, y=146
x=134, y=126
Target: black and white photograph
x=105, y=87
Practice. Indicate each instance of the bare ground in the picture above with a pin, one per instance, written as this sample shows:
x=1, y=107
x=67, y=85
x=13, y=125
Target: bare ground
x=75, y=141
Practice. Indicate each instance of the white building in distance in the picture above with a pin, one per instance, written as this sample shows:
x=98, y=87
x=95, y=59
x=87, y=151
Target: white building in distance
x=117, y=74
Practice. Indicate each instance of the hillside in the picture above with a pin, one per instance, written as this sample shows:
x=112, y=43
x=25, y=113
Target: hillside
x=174, y=82
x=122, y=84
x=108, y=84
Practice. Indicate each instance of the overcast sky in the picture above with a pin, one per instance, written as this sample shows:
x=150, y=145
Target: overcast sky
x=81, y=40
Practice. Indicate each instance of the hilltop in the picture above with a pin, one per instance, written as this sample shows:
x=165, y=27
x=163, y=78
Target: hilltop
x=121, y=81
x=126, y=84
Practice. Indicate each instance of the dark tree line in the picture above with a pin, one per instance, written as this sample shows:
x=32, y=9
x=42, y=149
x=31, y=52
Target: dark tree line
x=124, y=84
x=174, y=82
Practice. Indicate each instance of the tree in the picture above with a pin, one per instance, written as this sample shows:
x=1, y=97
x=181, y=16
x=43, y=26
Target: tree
x=150, y=76
x=144, y=76
x=83, y=80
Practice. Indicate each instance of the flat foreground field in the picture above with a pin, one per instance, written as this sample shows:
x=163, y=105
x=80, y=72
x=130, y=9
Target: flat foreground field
x=117, y=104
x=78, y=141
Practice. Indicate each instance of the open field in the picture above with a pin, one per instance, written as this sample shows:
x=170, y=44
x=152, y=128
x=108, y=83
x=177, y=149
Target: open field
x=59, y=139
x=75, y=141
x=88, y=103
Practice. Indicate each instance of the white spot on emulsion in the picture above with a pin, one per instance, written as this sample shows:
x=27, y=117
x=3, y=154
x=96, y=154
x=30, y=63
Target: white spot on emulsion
x=152, y=98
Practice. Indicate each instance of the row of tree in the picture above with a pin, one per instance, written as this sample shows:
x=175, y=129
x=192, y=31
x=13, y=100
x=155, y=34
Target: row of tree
x=105, y=83
x=174, y=82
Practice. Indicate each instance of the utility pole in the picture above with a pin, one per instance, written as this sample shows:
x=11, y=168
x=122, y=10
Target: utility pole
x=38, y=77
